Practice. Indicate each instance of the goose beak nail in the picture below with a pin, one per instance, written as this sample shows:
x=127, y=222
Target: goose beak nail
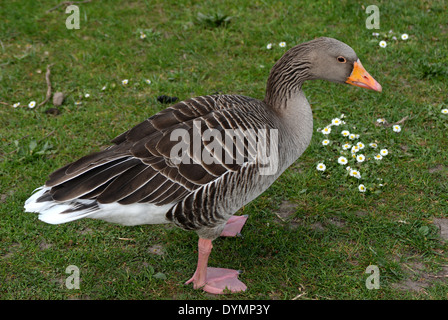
x=361, y=78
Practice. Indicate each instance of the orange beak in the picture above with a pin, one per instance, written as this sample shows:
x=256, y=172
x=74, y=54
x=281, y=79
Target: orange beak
x=361, y=78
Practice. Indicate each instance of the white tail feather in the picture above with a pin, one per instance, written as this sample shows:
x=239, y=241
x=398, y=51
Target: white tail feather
x=131, y=214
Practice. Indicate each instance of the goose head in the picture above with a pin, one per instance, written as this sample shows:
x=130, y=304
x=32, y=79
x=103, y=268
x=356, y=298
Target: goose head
x=321, y=58
x=335, y=61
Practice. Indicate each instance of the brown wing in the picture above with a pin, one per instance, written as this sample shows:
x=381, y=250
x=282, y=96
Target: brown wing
x=140, y=167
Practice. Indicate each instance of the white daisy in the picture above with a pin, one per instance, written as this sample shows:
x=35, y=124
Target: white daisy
x=355, y=173
x=404, y=36
x=87, y=95
x=325, y=142
x=15, y=105
x=269, y=46
x=142, y=35
x=336, y=121
x=383, y=44
x=352, y=136
x=321, y=167
x=445, y=111
x=360, y=145
x=125, y=81
x=148, y=81
x=373, y=145
x=77, y=103
x=362, y=188
x=326, y=130
x=346, y=146
x=354, y=149
x=375, y=34
x=103, y=88
x=345, y=133
x=282, y=44
x=342, y=160
x=384, y=152
x=378, y=157
x=360, y=158
x=32, y=104
x=381, y=120
x=397, y=128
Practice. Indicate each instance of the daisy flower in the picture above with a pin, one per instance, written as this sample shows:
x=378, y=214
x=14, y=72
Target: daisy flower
x=336, y=121
x=445, y=111
x=352, y=136
x=77, y=103
x=360, y=145
x=326, y=130
x=362, y=188
x=381, y=120
x=342, y=160
x=378, y=157
x=397, y=128
x=269, y=46
x=321, y=167
x=383, y=44
x=404, y=36
x=15, y=105
x=142, y=35
x=354, y=149
x=345, y=133
x=103, y=88
x=384, y=152
x=346, y=146
x=282, y=44
x=32, y=104
x=325, y=142
x=375, y=34
x=125, y=81
x=373, y=145
x=360, y=158
x=355, y=173
x=148, y=81
x=87, y=95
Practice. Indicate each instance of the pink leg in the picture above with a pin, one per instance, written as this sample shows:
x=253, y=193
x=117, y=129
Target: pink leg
x=214, y=280
x=234, y=225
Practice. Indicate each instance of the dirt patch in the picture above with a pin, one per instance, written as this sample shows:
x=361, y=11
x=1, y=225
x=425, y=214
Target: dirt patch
x=442, y=224
x=419, y=279
x=156, y=249
x=318, y=226
x=337, y=222
x=436, y=168
x=13, y=248
x=286, y=210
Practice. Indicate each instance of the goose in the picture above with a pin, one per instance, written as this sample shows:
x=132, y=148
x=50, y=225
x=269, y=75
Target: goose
x=197, y=162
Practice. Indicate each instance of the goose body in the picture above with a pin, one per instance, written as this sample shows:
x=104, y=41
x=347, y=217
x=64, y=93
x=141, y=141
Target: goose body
x=197, y=162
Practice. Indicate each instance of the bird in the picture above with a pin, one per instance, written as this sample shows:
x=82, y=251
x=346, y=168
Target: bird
x=197, y=162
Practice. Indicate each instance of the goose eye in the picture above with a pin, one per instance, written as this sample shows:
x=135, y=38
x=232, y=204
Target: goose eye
x=341, y=59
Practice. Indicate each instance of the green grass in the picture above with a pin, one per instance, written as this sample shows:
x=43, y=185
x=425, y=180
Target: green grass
x=331, y=232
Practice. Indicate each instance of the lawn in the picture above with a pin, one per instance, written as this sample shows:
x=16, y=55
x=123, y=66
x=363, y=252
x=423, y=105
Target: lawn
x=312, y=234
